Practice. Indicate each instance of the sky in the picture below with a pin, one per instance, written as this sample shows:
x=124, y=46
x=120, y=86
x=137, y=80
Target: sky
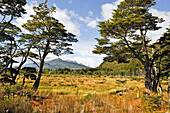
x=81, y=17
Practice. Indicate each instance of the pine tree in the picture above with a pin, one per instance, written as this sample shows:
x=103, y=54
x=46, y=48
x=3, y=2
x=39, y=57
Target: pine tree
x=130, y=22
x=50, y=35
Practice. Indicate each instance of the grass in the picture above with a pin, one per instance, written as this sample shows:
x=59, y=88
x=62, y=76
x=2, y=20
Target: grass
x=71, y=94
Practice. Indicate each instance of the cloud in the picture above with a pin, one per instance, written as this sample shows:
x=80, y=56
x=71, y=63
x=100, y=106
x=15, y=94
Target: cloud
x=82, y=54
x=64, y=16
x=107, y=9
x=90, y=13
x=161, y=14
x=21, y=20
x=88, y=61
x=70, y=2
x=92, y=24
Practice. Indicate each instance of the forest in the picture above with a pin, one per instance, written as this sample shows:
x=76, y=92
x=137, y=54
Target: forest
x=133, y=77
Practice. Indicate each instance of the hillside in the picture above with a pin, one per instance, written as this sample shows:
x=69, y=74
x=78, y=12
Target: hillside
x=134, y=67
x=59, y=63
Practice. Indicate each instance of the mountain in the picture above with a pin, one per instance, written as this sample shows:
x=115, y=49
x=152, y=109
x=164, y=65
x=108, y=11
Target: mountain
x=59, y=63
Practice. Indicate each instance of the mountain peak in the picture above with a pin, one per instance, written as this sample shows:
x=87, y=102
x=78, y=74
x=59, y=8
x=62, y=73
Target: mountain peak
x=59, y=63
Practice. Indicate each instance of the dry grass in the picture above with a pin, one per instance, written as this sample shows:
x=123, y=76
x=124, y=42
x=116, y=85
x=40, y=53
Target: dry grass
x=71, y=94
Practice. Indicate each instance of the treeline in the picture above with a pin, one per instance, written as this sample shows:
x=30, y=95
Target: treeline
x=133, y=68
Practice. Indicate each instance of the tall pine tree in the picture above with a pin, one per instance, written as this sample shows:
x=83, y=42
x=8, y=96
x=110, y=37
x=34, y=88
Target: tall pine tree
x=50, y=35
x=131, y=22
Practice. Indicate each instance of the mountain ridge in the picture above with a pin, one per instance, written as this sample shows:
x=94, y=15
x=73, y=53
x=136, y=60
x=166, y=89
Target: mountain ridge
x=58, y=63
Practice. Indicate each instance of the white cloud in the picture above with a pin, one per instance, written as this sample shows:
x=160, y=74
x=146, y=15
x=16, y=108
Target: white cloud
x=107, y=9
x=64, y=16
x=161, y=14
x=73, y=14
x=70, y=2
x=82, y=54
x=88, y=61
x=92, y=24
x=21, y=20
x=90, y=13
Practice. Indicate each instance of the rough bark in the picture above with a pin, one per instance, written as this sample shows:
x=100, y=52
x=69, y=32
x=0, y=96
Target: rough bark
x=37, y=81
x=148, y=81
x=168, y=85
x=155, y=83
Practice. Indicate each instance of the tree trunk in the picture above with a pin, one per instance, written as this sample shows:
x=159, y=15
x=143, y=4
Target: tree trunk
x=23, y=81
x=37, y=81
x=148, y=80
x=168, y=85
x=24, y=59
x=155, y=80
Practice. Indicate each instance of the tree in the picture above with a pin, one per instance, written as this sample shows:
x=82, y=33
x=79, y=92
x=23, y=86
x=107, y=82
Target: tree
x=162, y=59
x=9, y=9
x=130, y=22
x=50, y=36
x=9, y=48
x=29, y=72
x=114, y=51
x=25, y=44
x=15, y=45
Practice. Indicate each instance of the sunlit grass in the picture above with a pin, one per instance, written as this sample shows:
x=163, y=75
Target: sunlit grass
x=72, y=94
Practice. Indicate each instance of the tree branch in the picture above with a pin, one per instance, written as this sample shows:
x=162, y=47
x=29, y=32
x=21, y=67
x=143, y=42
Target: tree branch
x=132, y=49
x=6, y=24
x=34, y=62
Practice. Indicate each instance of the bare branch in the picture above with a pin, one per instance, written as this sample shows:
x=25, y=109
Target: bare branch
x=34, y=62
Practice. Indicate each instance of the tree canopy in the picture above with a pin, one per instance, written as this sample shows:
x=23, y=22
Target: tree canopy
x=50, y=35
x=130, y=23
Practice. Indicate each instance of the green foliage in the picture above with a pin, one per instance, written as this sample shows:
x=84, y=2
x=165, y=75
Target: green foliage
x=8, y=10
x=164, y=53
x=130, y=23
x=49, y=34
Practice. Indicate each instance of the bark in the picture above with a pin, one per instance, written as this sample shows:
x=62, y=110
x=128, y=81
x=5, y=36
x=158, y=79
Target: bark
x=168, y=85
x=23, y=81
x=155, y=83
x=37, y=81
x=147, y=66
x=148, y=81
x=160, y=87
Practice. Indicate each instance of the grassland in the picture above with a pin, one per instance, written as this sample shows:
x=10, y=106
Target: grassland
x=91, y=94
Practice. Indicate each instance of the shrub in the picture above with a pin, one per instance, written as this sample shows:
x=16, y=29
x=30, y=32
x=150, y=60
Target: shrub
x=14, y=99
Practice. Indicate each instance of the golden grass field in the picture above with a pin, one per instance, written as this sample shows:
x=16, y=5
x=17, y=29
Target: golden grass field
x=89, y=94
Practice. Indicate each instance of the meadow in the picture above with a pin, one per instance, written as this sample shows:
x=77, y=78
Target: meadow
x=84, y=94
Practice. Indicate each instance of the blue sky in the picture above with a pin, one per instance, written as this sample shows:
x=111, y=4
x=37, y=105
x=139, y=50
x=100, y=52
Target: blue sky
x=81, y=17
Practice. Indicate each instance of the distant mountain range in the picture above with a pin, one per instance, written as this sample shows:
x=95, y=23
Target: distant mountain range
x=59, y=63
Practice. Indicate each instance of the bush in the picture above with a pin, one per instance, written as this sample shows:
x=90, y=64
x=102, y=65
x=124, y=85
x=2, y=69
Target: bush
x=14, y=99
